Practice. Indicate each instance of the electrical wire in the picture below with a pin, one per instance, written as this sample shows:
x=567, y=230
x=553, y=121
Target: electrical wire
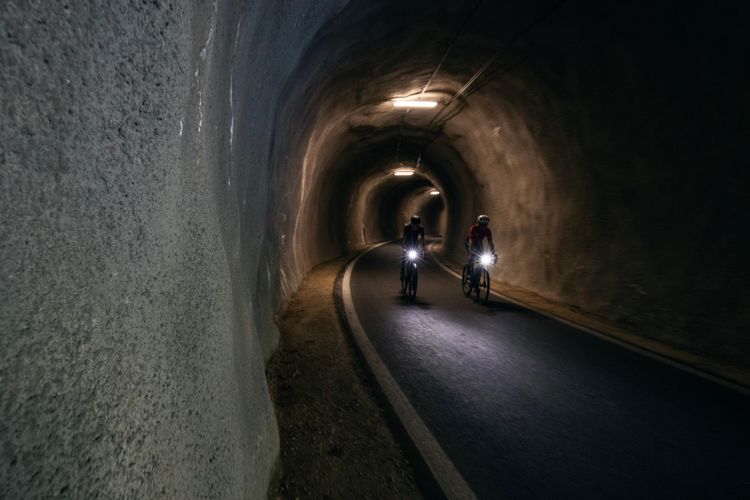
x=433, y=124
x=434, y=73
x=518, y=36
x=450, y=46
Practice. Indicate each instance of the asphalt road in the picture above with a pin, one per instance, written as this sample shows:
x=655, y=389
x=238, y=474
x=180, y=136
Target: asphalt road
x=527, y=407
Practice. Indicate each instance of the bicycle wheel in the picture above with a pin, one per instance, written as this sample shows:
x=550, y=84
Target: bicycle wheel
x=413, y=283
x=483, y=286
x=404, y=279
x=466, y=280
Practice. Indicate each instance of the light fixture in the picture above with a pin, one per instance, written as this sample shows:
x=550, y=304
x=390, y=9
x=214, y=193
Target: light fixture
x=434, y=192
x=413, y=103
x=403, y=172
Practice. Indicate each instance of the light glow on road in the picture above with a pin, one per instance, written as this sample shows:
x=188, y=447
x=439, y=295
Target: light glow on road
x=413, y=103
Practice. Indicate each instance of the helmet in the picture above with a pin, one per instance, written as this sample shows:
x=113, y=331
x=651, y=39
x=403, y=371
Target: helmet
x=483, y=220
x=415, y=219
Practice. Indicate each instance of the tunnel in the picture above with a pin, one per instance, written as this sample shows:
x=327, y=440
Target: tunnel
x=171, y=172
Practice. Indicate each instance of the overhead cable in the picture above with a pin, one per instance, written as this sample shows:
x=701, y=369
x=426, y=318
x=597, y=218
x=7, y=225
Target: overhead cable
x=519, y=35
x=453, y=42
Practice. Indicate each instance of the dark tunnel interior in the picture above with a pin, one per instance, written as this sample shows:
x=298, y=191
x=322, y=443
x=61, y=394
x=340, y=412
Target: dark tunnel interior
x=172, y=171
x=581, y=139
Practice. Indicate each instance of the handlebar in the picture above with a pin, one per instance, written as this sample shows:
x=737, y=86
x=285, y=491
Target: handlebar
x=480, y=254
x=494, y=256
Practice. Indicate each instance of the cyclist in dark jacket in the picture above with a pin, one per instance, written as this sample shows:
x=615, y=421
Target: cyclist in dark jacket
x=413, y=239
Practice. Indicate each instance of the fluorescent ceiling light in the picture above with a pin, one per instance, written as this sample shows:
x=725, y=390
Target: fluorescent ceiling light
x=403, y=171
x=434, y=192
x=413, y=103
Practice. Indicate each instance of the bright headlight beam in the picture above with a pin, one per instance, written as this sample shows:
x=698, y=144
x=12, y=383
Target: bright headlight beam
x=413, y=103
x=403, y=171
x=486, y=259
x=434, y=192
x=412, y=254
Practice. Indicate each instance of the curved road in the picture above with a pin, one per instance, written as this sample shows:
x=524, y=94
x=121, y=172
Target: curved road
x=527, y=407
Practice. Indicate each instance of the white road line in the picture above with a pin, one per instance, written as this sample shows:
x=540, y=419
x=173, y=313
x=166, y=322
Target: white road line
x=450, y=480
x=627, y=345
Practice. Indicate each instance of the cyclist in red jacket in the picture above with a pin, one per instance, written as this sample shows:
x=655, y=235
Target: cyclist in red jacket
x=477, y=233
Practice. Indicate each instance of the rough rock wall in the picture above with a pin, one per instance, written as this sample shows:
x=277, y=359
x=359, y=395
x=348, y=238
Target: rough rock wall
x=614, y=163
x=431, y=209
x=134, y=155
x=273, y=37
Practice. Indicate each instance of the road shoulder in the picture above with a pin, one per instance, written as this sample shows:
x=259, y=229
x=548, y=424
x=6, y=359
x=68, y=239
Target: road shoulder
x=336, y=439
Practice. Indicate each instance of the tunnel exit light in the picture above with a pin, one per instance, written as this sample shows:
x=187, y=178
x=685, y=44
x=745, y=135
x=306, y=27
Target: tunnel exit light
x=413, y=103
x=434, y=192
x=403, y=171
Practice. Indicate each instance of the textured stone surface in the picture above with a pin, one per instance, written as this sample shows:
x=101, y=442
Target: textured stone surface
x=134, y=298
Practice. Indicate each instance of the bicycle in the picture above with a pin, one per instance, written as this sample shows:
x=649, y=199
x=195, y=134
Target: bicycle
x=410, y=273
x=475, y=276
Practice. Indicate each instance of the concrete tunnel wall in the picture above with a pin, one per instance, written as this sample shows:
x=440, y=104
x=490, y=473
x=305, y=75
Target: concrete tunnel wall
x=138, y=276
x=431, y=209
x=383, y=204
x=171, y=171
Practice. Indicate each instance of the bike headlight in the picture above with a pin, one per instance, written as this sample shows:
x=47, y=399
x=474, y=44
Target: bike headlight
x=412, y=254
x=486, y=259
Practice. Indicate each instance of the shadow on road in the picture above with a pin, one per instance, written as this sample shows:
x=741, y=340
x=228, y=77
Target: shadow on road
x=402, y=300
x=493, y=307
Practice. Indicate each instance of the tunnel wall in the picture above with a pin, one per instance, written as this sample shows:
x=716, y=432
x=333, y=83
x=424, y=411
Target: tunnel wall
x=610, y=162
x=431, y=209
x=137, y=269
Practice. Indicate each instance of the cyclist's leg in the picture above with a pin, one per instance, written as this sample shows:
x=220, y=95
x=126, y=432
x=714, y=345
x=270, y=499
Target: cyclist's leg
x=468, y=269
x=473, y=261
x=480, y=268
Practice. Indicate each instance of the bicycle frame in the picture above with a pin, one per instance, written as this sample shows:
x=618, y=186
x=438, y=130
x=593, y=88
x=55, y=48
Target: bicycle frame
x=478, y=275
x=409, y=277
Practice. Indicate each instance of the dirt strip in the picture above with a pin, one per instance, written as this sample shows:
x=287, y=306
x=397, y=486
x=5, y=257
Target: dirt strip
x=336, y=438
